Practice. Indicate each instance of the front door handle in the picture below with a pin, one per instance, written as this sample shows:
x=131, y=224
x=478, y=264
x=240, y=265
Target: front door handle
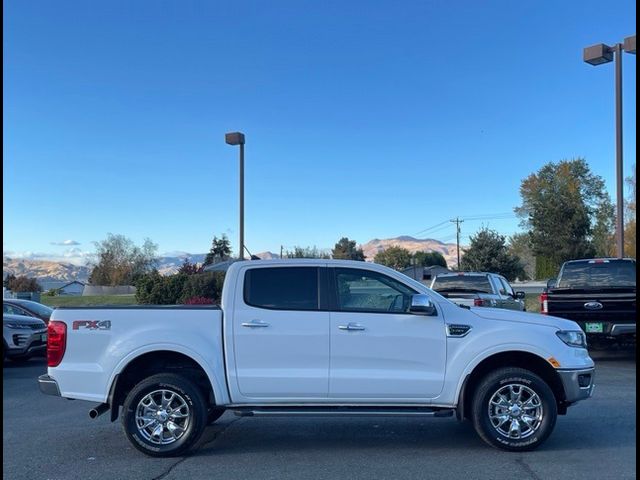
x=351, y=326
x=255, y=324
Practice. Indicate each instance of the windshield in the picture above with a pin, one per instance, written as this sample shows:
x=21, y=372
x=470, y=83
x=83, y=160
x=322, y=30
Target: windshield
x=609, y=273
x=462, y=283
x=38, y=308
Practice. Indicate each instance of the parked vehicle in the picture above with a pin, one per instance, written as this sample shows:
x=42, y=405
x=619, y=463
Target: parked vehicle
x=474, y=289
x=598, y=294
x=28, y=308
x=320, y=338
x=23, y=337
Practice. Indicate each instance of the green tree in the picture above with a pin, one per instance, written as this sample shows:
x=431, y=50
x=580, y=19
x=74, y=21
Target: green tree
x=121, y=262
x=220, y=250
x=395, y=257
x=559, y=208
x=306, y=252
x=520, y=246
x=488, y=252
x=346, y=249
x=22, y=283
x=428, y=259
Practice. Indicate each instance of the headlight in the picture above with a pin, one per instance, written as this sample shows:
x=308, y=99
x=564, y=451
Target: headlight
x=573, y=338
x=17, y=325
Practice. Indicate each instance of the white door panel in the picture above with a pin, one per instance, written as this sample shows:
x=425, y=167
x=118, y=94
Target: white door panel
x=395, y=356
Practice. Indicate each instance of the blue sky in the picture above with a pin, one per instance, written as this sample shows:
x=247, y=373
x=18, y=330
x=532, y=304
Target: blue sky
x=364, y=119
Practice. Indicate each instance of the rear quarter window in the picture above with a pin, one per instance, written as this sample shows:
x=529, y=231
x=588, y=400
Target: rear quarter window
x=286, y=288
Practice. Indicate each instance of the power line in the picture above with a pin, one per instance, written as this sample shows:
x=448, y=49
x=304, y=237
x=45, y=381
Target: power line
x=432, y=227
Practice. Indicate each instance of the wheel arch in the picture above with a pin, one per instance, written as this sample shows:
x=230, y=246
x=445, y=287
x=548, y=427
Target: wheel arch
x=512, y=358
x=152, y=362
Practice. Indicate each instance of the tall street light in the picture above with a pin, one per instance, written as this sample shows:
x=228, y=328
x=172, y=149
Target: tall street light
x=237, y=138
x=597, y=55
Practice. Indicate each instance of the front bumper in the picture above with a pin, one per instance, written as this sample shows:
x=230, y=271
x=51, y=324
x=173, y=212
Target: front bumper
x=48, y=385
x=578, y=384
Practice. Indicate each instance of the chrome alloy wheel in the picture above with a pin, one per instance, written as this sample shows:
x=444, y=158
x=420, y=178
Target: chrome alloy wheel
x=515, y=411
x=162, y=417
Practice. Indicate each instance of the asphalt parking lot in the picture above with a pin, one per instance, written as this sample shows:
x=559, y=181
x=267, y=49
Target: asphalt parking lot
x=52, y=438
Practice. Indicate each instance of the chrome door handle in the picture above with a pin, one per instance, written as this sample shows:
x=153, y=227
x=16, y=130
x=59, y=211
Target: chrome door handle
x=255, y=324
x=351, y=326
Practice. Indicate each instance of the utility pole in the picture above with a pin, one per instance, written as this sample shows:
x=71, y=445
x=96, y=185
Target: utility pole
x=457, y=221
x=281, y=252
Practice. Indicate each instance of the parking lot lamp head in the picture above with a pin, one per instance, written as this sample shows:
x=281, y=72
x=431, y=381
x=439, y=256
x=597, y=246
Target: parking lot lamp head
x=237, y=138
x=598, y=54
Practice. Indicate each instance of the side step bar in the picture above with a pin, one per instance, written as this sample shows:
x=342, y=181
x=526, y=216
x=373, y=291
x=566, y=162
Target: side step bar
x=343, y=412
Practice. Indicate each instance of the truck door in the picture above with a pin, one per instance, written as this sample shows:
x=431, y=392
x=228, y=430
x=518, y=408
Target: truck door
x=281, y=338
x=379, y=351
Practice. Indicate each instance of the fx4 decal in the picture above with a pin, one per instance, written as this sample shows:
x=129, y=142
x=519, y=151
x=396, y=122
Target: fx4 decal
x=92, y=324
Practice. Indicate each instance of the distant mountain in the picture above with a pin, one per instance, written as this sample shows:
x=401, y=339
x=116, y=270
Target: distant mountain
x=44, y=270
x=169, y=263
x=448, y=250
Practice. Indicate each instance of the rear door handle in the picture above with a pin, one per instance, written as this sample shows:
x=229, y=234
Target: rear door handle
x=351, y=327
x=255, y=324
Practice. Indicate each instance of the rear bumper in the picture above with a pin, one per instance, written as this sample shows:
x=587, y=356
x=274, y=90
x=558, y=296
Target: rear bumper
x=48, y=385
x=578, y=384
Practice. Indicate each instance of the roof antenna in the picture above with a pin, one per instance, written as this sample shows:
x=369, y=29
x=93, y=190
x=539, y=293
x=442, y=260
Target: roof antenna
x=252, y=257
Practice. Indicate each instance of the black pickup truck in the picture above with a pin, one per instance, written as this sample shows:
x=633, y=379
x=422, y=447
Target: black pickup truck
x=598, y=294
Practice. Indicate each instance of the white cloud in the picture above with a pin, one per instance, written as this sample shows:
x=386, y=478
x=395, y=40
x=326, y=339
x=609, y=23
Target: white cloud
x=66, y=243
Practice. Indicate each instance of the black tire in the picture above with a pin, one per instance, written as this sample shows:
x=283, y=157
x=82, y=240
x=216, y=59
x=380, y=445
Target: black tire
x=194, y=422
x=214, y=414
x=490, y=385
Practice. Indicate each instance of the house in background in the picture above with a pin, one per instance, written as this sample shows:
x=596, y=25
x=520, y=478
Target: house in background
x=424, y=274
x=71, y=288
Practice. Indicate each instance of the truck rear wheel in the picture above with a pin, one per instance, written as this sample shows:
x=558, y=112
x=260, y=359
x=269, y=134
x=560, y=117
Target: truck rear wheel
x=514, y=409
x=164, y=415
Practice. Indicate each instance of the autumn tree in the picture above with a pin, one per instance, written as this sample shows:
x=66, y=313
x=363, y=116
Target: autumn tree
x=122, y=262
x=630, y=226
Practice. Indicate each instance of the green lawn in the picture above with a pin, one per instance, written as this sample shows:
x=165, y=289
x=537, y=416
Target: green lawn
x=73, y=301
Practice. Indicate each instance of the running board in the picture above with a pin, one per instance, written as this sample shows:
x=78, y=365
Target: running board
x=343, y=412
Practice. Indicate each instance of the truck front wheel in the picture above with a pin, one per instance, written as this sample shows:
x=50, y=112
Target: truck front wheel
x=164, y=415
x=514, y=409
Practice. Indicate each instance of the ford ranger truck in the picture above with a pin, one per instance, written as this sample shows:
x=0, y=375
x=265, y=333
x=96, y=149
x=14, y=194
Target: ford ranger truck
x=318, y=338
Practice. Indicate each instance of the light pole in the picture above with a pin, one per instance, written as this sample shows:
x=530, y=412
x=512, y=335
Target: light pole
x=237, y=138
x=597, y=55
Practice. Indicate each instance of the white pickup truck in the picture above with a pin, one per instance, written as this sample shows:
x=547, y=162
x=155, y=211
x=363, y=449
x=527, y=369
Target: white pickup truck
x=318, y=337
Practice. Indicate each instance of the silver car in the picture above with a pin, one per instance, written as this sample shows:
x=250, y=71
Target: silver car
x=23, y=337
x=478, y=289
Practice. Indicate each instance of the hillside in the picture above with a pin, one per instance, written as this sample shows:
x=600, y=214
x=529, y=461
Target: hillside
x=48, y=271
x=448, y=250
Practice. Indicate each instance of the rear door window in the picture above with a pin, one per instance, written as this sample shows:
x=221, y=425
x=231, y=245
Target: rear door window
x=287, y=288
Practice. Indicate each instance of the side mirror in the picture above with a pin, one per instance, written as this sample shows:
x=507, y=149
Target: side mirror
x=520, y=295
x=421, y=304
x=551, y=282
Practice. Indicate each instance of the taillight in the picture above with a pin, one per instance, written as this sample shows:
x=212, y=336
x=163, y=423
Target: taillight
x=56, y=342
x=544, y=303
x=478, y=302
